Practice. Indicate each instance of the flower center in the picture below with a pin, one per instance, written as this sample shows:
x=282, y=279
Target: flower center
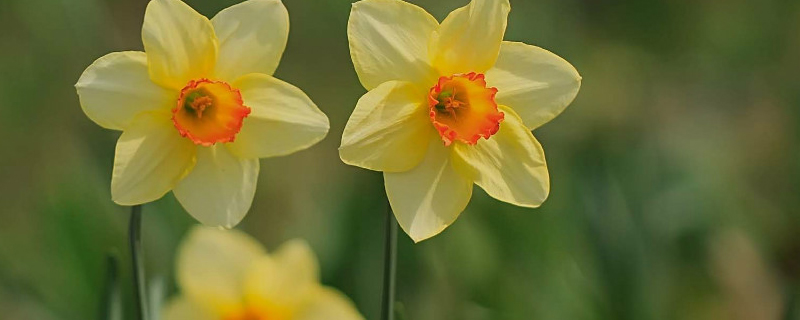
x=255, y=314
x=246, y=316
x=209, y=112
x=463, y=109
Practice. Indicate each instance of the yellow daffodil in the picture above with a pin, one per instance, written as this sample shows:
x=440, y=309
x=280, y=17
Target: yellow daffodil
x=450, y=105
x=227, y=275
x=199, y=107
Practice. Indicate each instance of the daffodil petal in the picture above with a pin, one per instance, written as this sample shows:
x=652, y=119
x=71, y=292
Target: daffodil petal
x=220, y=188
x=388, y=130
x=535, y=82
x=252, y=36
x=298, y=257
x=117, y=87
x=429, y=197
x=327, y=303
x=509, y=166
x=150, y=158
x=469, y=38
x=212, y=266
x=285, y=278
x=389, y=41
x=282, y=120
x=182, y=308
x=180, y=43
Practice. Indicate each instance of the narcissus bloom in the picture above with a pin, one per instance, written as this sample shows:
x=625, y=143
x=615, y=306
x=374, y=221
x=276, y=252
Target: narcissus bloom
x=199, y=107
x=450, y=105
x=227, y=275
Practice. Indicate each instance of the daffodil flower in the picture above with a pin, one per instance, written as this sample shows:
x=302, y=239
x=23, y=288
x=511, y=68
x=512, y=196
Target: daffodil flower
x=450, y=105
x=227, y=275
x=199, y=107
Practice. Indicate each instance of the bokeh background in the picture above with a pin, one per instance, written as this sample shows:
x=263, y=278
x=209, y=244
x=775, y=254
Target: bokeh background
x=675, y=173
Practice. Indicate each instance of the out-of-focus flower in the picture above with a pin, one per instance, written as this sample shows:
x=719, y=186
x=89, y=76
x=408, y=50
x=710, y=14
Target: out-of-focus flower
x=199, y=107
x=450, y=105
x=227, y=275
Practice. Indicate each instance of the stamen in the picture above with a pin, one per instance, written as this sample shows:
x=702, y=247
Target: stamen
x=200, y=104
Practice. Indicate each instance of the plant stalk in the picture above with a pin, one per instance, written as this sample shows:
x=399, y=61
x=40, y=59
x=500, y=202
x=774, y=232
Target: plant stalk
x=135, y=238
x=111, y=289
x=389, y=265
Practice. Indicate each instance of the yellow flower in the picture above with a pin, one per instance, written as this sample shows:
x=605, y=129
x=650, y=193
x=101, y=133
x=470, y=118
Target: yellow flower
x=199, y=107
x=450, y=105
x=227, y=275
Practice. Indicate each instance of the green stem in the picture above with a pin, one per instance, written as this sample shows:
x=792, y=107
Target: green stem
x=111, y=289
x=389, y=266
x=790, y=310
x=135, y=238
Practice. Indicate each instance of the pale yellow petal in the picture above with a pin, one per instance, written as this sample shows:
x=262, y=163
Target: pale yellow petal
x=182, y=308
x=150, y=158
x=328, y=304
x=509, y=166
x=469, y=38
x=117, y=87
x=389, y=41
x=282, y=120
x=284, y=279
x=429, y=197
x=220, y=188
x=389, y=129
x=212, y=266
x=296, y=255
x=252, y=36
x=180, y=43
x=535, y=82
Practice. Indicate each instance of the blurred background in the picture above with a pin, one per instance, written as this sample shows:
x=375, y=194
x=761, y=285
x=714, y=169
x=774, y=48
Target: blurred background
x=675, y=173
